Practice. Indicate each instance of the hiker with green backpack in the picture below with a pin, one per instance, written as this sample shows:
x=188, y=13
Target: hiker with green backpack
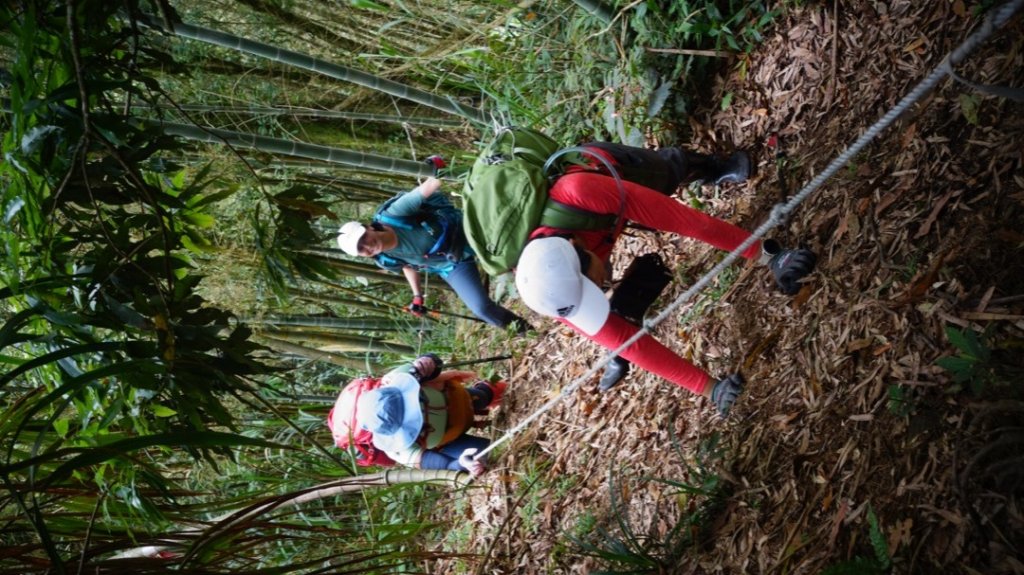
x=421, y=231
x=562, y=260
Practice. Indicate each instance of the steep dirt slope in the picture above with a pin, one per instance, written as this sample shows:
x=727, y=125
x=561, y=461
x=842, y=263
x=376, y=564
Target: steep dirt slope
x=923, y=231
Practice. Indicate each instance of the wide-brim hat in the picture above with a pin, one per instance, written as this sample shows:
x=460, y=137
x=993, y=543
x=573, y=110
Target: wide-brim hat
x=551, y=283
x=392, y=412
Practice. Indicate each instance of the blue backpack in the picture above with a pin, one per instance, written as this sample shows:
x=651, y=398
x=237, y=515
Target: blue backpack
x=438, y=217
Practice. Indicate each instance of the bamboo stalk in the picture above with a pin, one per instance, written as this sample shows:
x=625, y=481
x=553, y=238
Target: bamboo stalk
x=689, y=52
x=318, y=355
x=275, y=54
x=328, y=300
x=354, y=323
x=291, y=148
x=308, y=113
x=389, y=477
x=335, y=343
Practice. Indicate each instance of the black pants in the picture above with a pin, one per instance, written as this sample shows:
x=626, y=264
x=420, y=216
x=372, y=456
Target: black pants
x=661, y=170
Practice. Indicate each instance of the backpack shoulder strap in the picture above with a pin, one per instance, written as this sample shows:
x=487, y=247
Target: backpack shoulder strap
x=389, y=263
x=394, y=221
x=441, y=211
x=563, y=216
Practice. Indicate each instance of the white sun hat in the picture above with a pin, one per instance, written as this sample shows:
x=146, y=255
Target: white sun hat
x=392, y=412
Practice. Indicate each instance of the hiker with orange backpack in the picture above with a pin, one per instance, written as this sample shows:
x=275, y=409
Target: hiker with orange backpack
x=420, y=415
x=559, y=272
x=421, y=230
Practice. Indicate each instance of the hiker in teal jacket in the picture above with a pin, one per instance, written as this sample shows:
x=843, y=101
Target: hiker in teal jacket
x=421, y=230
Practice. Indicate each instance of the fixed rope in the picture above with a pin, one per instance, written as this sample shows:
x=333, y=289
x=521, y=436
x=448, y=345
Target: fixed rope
x=994, y=20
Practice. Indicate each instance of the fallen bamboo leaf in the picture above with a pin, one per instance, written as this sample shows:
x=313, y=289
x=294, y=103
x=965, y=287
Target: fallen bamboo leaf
x=927, y=225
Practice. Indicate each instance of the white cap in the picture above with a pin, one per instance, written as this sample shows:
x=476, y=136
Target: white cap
x=550, y=282
x=348, y=237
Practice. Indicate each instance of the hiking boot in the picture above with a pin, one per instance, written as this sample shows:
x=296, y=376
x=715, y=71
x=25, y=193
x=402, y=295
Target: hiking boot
x=614, y=372
x=713, y=170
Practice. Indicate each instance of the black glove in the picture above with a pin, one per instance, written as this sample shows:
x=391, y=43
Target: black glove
x=725, y=391
x=789, y=266
x=438, y=367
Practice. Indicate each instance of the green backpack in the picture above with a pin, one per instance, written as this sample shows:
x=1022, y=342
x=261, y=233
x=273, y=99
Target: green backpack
x=506, y=196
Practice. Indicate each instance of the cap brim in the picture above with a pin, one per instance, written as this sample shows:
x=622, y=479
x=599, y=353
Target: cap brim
x=592, y=312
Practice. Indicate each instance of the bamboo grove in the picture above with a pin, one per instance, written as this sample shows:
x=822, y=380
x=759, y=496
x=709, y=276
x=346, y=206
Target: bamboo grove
x=169, y=194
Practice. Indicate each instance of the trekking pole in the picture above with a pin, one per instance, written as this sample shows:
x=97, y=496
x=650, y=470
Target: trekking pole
x=436, y=313
x=476, y=361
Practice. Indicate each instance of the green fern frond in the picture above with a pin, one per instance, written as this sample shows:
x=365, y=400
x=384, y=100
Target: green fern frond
x=878, y=542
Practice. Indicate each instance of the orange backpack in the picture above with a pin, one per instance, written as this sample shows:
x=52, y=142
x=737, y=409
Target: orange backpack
x=342, y=422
